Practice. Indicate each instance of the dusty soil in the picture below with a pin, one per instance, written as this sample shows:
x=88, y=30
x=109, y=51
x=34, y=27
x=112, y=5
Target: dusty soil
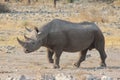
x=35, y=64
x=14, y=62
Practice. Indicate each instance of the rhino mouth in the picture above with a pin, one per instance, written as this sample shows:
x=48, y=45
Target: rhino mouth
x=27, y=51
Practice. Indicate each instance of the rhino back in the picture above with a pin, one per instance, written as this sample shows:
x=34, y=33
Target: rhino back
x=71, y=37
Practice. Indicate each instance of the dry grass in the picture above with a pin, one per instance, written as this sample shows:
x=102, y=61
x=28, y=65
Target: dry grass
x=92, y=14
x=12, y=30
x=117, y=3
x=111, y=40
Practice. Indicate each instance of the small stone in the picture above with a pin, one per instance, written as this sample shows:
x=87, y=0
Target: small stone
x=88, y=77
x=62, y=76
x=10, y=47
x=47, y=77
x=10, y=78
x=106, y=78
x=22, y=77
x=16, y=70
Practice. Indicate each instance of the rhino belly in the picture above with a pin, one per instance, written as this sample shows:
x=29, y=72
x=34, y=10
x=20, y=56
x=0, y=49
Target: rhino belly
x=78, y=44
x=76, y=48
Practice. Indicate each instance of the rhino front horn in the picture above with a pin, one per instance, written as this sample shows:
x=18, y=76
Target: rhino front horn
x=20, y=42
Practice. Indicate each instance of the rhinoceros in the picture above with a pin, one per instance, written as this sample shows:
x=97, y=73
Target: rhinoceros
x=60, y=35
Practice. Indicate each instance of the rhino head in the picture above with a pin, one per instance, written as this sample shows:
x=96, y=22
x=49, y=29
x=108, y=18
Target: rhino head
x=33, y=43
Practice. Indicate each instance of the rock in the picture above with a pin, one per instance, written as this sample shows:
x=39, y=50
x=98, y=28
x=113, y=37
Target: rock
x=10, y=47
x=10, y=78
x=106, y=78
x=22, y=77
x=62, y=76
x=47, y=77
x=88, y=77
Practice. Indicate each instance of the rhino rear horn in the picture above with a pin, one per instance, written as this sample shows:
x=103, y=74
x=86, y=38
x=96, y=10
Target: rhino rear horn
x=27, y=38
x=21, y=42
x=29, y=30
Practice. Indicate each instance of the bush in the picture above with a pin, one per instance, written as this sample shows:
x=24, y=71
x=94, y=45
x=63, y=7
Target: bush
x=104, y=1
x=4, y=8
x=70, y=1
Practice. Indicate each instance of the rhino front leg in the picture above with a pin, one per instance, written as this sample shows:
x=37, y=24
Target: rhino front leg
x=82, y=57
x=50, y=55
x=57, y=59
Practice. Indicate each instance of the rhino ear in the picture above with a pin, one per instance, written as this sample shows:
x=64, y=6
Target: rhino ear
x=36, y=29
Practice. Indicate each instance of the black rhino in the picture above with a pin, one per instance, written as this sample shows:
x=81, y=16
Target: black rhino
x=59, y=35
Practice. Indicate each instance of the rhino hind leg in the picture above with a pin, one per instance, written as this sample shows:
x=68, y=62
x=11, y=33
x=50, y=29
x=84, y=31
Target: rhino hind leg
x=82, y=57
x=50, y=55
x=103, y=57
x=100, y=46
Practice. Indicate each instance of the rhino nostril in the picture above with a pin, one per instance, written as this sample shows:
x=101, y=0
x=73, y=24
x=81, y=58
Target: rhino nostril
x=26, y=51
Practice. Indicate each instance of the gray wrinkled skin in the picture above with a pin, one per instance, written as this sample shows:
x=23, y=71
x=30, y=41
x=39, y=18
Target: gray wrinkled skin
x=59, y=35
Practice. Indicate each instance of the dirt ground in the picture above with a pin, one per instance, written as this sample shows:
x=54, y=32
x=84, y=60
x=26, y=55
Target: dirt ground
x=35, y=64
x=14, y=62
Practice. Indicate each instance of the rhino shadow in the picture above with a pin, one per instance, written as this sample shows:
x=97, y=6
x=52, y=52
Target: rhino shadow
x=97, y=68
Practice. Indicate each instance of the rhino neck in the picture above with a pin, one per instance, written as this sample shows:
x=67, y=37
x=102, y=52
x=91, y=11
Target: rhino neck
x=45, y=31
x=44, y=40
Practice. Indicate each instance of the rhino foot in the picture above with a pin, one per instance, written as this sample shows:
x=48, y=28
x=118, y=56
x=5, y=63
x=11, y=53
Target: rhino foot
x=51, y=61
x=56, y=66
x=77, y=65
x=103, y=65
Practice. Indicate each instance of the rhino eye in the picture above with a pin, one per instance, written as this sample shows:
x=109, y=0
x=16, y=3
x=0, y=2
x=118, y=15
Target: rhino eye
x=33, y=43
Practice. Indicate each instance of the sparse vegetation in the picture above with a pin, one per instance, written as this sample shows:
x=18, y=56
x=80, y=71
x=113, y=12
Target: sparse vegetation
x=71, y=1
x=104, y=1
x=14, y=63
x=4, y=8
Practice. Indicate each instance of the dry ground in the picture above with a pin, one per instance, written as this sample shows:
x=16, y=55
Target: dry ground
x=35, y=64
x=14, y=62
